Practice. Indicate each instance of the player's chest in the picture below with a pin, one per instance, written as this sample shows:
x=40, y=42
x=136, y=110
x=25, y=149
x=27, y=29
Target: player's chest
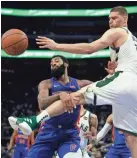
x=84, y=124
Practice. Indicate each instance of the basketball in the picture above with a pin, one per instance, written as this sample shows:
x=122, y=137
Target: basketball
x=14, y=42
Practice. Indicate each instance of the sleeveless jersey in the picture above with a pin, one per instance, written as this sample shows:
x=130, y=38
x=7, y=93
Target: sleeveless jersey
x=66, y=119
x=84, y=125
x=126, y=54
x=118, y=137
x=22, y=139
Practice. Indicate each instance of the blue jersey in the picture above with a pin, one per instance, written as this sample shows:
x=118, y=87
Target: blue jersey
x=58, y=133
x=65, y=119
x=22, y=144
x=22, y=139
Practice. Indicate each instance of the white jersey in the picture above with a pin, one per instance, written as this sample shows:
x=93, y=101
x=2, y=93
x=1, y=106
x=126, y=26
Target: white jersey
x=126, y=55
x=84, y=125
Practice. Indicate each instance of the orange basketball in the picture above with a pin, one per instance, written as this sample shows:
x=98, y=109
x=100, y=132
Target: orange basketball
x=14, y=42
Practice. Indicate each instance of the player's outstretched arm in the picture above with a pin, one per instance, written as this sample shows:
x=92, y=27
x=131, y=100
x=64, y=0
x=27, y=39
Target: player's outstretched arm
x=105, y=129
x=106, y=40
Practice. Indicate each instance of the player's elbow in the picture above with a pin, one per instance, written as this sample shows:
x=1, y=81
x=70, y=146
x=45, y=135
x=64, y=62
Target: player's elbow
x=89, y=50
x=92, y=48
x=42, y=103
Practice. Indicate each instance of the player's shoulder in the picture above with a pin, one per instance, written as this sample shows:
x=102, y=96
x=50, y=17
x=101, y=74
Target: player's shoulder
x=83, y=82
x=117, y=31
x=45, y=83
x=93, y=116
x=73, y=79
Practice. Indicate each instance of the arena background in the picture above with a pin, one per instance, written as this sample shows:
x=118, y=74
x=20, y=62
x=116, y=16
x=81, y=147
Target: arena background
x=20, y=75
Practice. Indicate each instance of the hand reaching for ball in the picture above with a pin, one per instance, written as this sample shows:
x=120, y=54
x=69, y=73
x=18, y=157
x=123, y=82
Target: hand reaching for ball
x=45, y=42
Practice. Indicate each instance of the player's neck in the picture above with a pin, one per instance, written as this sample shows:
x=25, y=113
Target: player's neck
x=64, y=79
x=124, y=25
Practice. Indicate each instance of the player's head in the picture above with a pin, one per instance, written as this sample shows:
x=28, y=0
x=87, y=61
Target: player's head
x=118, y=17
x=58, y=65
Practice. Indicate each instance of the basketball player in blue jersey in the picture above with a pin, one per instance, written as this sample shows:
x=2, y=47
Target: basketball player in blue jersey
x=21, y=144
x=119, y=148
x=59, y=133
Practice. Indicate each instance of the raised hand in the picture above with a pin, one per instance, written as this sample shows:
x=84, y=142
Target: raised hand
x=44, y=42
x=111, y=66
x=67, y=101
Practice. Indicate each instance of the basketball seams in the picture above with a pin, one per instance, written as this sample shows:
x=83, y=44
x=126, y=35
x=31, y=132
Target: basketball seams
x=22, y=50
x=15, y=43
x=12, y=34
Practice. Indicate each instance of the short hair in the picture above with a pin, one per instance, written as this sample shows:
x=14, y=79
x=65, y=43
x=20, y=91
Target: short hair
x=120, y=9
x=62, y=57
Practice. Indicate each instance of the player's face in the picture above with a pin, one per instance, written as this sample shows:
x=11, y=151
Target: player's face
x=57, y=67
x=56, y=63
x=116, y=20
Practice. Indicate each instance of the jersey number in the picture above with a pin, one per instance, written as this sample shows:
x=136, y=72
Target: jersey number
x=22, y=141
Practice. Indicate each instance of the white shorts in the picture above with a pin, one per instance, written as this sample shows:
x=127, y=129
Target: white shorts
x=119, y=90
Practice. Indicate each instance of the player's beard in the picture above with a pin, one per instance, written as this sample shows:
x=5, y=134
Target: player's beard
x=57, y=73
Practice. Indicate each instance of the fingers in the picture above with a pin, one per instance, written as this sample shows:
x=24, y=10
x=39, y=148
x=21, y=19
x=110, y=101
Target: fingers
x=68, y=106
x=74, y=101
x=106, y=69
x=67, y=102
x=45, y=46
x=110, y=71
x=41, y=43
x=108, y=64
x=112, y=64
x=42, y=37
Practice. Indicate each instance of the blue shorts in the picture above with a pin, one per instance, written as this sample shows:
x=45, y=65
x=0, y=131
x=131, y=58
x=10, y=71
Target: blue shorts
x=121, y=152
x=20, y=151
x=51, y=139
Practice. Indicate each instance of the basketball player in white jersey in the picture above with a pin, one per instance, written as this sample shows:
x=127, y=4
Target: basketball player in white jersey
x=88, y=127
x=119, y=90
x=88, y=124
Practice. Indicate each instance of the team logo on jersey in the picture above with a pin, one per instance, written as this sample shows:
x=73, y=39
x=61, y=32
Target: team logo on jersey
x=56, y=85
x=73, y=147
x=85, y=118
